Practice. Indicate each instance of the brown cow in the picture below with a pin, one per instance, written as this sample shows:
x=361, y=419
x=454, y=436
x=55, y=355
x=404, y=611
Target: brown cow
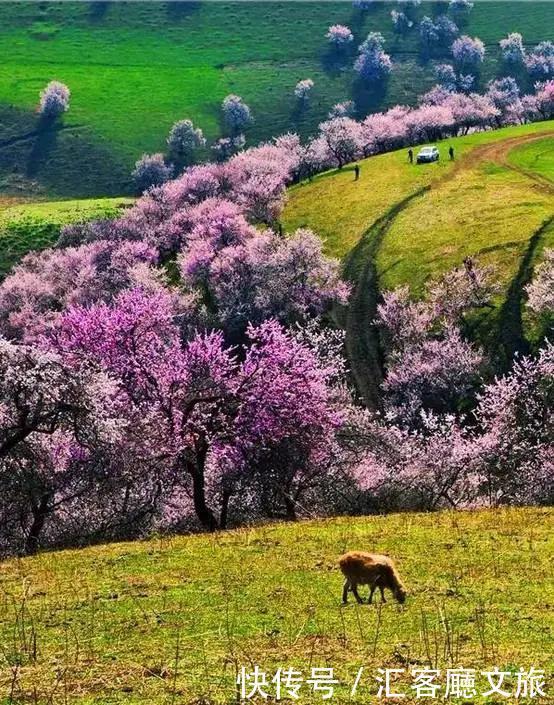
x=360, y=568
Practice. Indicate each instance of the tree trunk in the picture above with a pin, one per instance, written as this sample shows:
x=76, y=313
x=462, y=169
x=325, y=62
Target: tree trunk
x=290, y=506
x=40, y=513
x=224, y=514
x=203, y=512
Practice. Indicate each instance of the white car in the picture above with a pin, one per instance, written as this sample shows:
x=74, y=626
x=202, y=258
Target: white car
x=428, y=154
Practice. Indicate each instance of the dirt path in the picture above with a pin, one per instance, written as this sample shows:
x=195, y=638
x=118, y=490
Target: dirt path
x=362, y=339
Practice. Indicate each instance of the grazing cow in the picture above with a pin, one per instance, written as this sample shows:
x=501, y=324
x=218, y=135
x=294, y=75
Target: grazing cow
x=360, y=568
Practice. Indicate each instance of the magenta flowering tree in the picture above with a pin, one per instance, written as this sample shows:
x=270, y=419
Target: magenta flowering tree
x=32, y=297
x=460, y=8
x=437, y=33
x=446, y=30
x=428, y=33
x=504, y=94
x=447, y=78
x=236, y=114
x=226, y=147
x=429, y=123
x=339, y=36
x=437, y=465
x=430, y=367
x=263, y=276
x=468, y=52
x=150, y=170
x=512, y=49
x=54, y=100
x=373, y=63
x=207, y=413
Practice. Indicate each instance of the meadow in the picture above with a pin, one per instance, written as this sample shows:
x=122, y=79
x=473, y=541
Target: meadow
x=403, y=224
x=35, y=225
x=173, y=619
x=134, y=69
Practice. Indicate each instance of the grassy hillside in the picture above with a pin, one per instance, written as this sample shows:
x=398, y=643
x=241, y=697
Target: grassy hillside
x=32, y=226
x=134, y=68
x=404, y=224
x=173, y=619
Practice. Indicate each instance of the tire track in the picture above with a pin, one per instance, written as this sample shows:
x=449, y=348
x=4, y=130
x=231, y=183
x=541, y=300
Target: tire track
x=362, y=337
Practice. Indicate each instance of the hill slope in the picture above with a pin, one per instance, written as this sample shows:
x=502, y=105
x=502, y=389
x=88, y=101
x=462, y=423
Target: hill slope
x=32, y=226
x=174, y=619
x=405, y=224
x=135, y=68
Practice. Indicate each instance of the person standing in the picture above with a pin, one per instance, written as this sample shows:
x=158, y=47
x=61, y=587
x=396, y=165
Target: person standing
x=451, y=153
x=411, y=156
x=356, y=172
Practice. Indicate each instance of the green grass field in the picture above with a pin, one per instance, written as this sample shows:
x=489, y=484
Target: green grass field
x=171, y=620
x=405, y=224
x=32, y=226
x=134, y=68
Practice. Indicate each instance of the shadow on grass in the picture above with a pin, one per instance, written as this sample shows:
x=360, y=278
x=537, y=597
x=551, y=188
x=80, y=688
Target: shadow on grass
x=511, y=334
x=335, y=62
x=177, y=11
x=44, y=143
x=369, y=98
x=97, y=10
x=64, y=159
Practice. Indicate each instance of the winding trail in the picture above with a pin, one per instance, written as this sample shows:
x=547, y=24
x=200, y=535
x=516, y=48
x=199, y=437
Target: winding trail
x=362, y=338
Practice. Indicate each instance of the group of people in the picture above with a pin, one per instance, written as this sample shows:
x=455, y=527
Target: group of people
x=411, y=154
x=410, y=159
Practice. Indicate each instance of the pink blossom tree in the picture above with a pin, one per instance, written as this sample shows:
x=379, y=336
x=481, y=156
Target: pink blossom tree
x=540, y=291
x=373, y=63
x=204, y=410
x=342, y=138
x=540, y=62
x=303, y=89
x=468, y=52
x=150, y=170
x=400, y=22
x=184, y=140
x=339, y=36
x=54, y=100
x=516, y=414
x=51, y=420
x=236, y=114
x=512, y=49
